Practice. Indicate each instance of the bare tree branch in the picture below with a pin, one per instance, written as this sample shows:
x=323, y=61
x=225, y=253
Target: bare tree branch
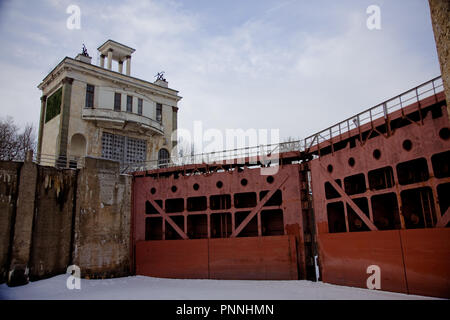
x=13, y=144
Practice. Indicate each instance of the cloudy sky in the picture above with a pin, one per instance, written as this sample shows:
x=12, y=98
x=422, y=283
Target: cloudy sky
x=296, y=65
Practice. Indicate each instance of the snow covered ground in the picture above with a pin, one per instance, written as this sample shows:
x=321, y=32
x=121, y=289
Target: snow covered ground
x=140, y=287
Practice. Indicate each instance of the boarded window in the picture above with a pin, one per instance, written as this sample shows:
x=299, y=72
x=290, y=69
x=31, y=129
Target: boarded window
x=197, y=226
x=221, y=225
x=117, y=101
x=441, y=163
x=385, y=211
x=272, y=223
x=355, y=184
x=53, y=105
x=174, y=205
x=153, y=228
x=381, y=178
x=336, y=217
x=245, y=200
x=418, y=208
x=412, y=171
x=196, y=204
x=220, y=202
x=89, y=103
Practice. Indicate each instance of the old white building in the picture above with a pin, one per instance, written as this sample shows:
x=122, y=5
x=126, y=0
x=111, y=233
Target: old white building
x=97, y=111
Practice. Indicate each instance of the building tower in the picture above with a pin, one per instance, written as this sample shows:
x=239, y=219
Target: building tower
x=89, y=110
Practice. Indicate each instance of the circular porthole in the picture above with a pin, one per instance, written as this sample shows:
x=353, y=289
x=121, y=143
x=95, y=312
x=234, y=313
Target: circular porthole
x=269, y=179
x=244, y=182
x=377, y=154
x=152, y=190
x=219, y=184
x=351, y=162
x=407, y=145
x=444, y=133
x=330, y=168
x=196, y=186
x=174, y=189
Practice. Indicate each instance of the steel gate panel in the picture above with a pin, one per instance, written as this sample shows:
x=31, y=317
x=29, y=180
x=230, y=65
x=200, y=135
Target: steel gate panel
x=265, y=258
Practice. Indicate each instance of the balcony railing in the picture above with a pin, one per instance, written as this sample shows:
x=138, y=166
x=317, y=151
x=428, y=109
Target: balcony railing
x=121, y=117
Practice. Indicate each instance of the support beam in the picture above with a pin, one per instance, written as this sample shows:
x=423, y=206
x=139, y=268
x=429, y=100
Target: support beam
x=444, y=219
x=347, y=199
x=102, y=60
x=110, y=53
x=261, y=203
x=128, y=65
x=168, y=219
x=41, y=128
x=120, y=66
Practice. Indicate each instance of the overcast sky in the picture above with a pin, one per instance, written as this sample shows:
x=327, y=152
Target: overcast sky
x=299, y=66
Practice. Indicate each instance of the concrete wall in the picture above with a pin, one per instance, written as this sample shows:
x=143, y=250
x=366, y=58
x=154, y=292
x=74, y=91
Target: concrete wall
x=23, y=227
x=9, y=173
x=52, y=218
x=102, y=221
x=51, y=242
x=440, y=18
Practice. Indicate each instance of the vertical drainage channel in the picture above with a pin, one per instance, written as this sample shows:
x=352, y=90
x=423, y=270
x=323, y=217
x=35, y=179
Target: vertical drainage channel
x=209, y=274
x=13, y=225
x=74, y=212
x=403, y=261
x=309, y=234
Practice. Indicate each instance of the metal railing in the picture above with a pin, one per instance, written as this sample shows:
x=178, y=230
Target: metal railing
x=265, y=153
x=67, y=162
x=416, y=94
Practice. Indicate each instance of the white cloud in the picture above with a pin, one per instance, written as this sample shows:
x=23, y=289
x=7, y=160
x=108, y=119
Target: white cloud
x=259, y=74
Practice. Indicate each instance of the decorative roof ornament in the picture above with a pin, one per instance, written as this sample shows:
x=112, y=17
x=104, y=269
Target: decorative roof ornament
x=160, y=76
x=84, y=52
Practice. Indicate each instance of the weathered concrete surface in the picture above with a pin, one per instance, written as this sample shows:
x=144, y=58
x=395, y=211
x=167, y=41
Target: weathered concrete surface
x=9, y=175
x=440, y=18
x=19, y=268
x=52, y=230
x=102, y=221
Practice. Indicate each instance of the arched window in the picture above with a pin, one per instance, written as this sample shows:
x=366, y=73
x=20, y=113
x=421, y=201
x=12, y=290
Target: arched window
x=163, y=158
x=77, y=149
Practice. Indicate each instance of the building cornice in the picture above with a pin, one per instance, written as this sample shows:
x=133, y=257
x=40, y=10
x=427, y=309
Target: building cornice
x=69, y=64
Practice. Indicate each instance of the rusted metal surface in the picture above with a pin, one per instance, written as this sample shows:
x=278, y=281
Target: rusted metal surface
x=426, y=142
x=257, y=258
x=371, y=184
x=398, y=180
x=426, y=255
x=254, y=258
x=345, y=257
x=410, y=261
x=253, y=205
x=184, y=259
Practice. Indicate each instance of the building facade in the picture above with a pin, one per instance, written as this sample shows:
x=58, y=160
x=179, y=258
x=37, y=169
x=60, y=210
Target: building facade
x=89, y=110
